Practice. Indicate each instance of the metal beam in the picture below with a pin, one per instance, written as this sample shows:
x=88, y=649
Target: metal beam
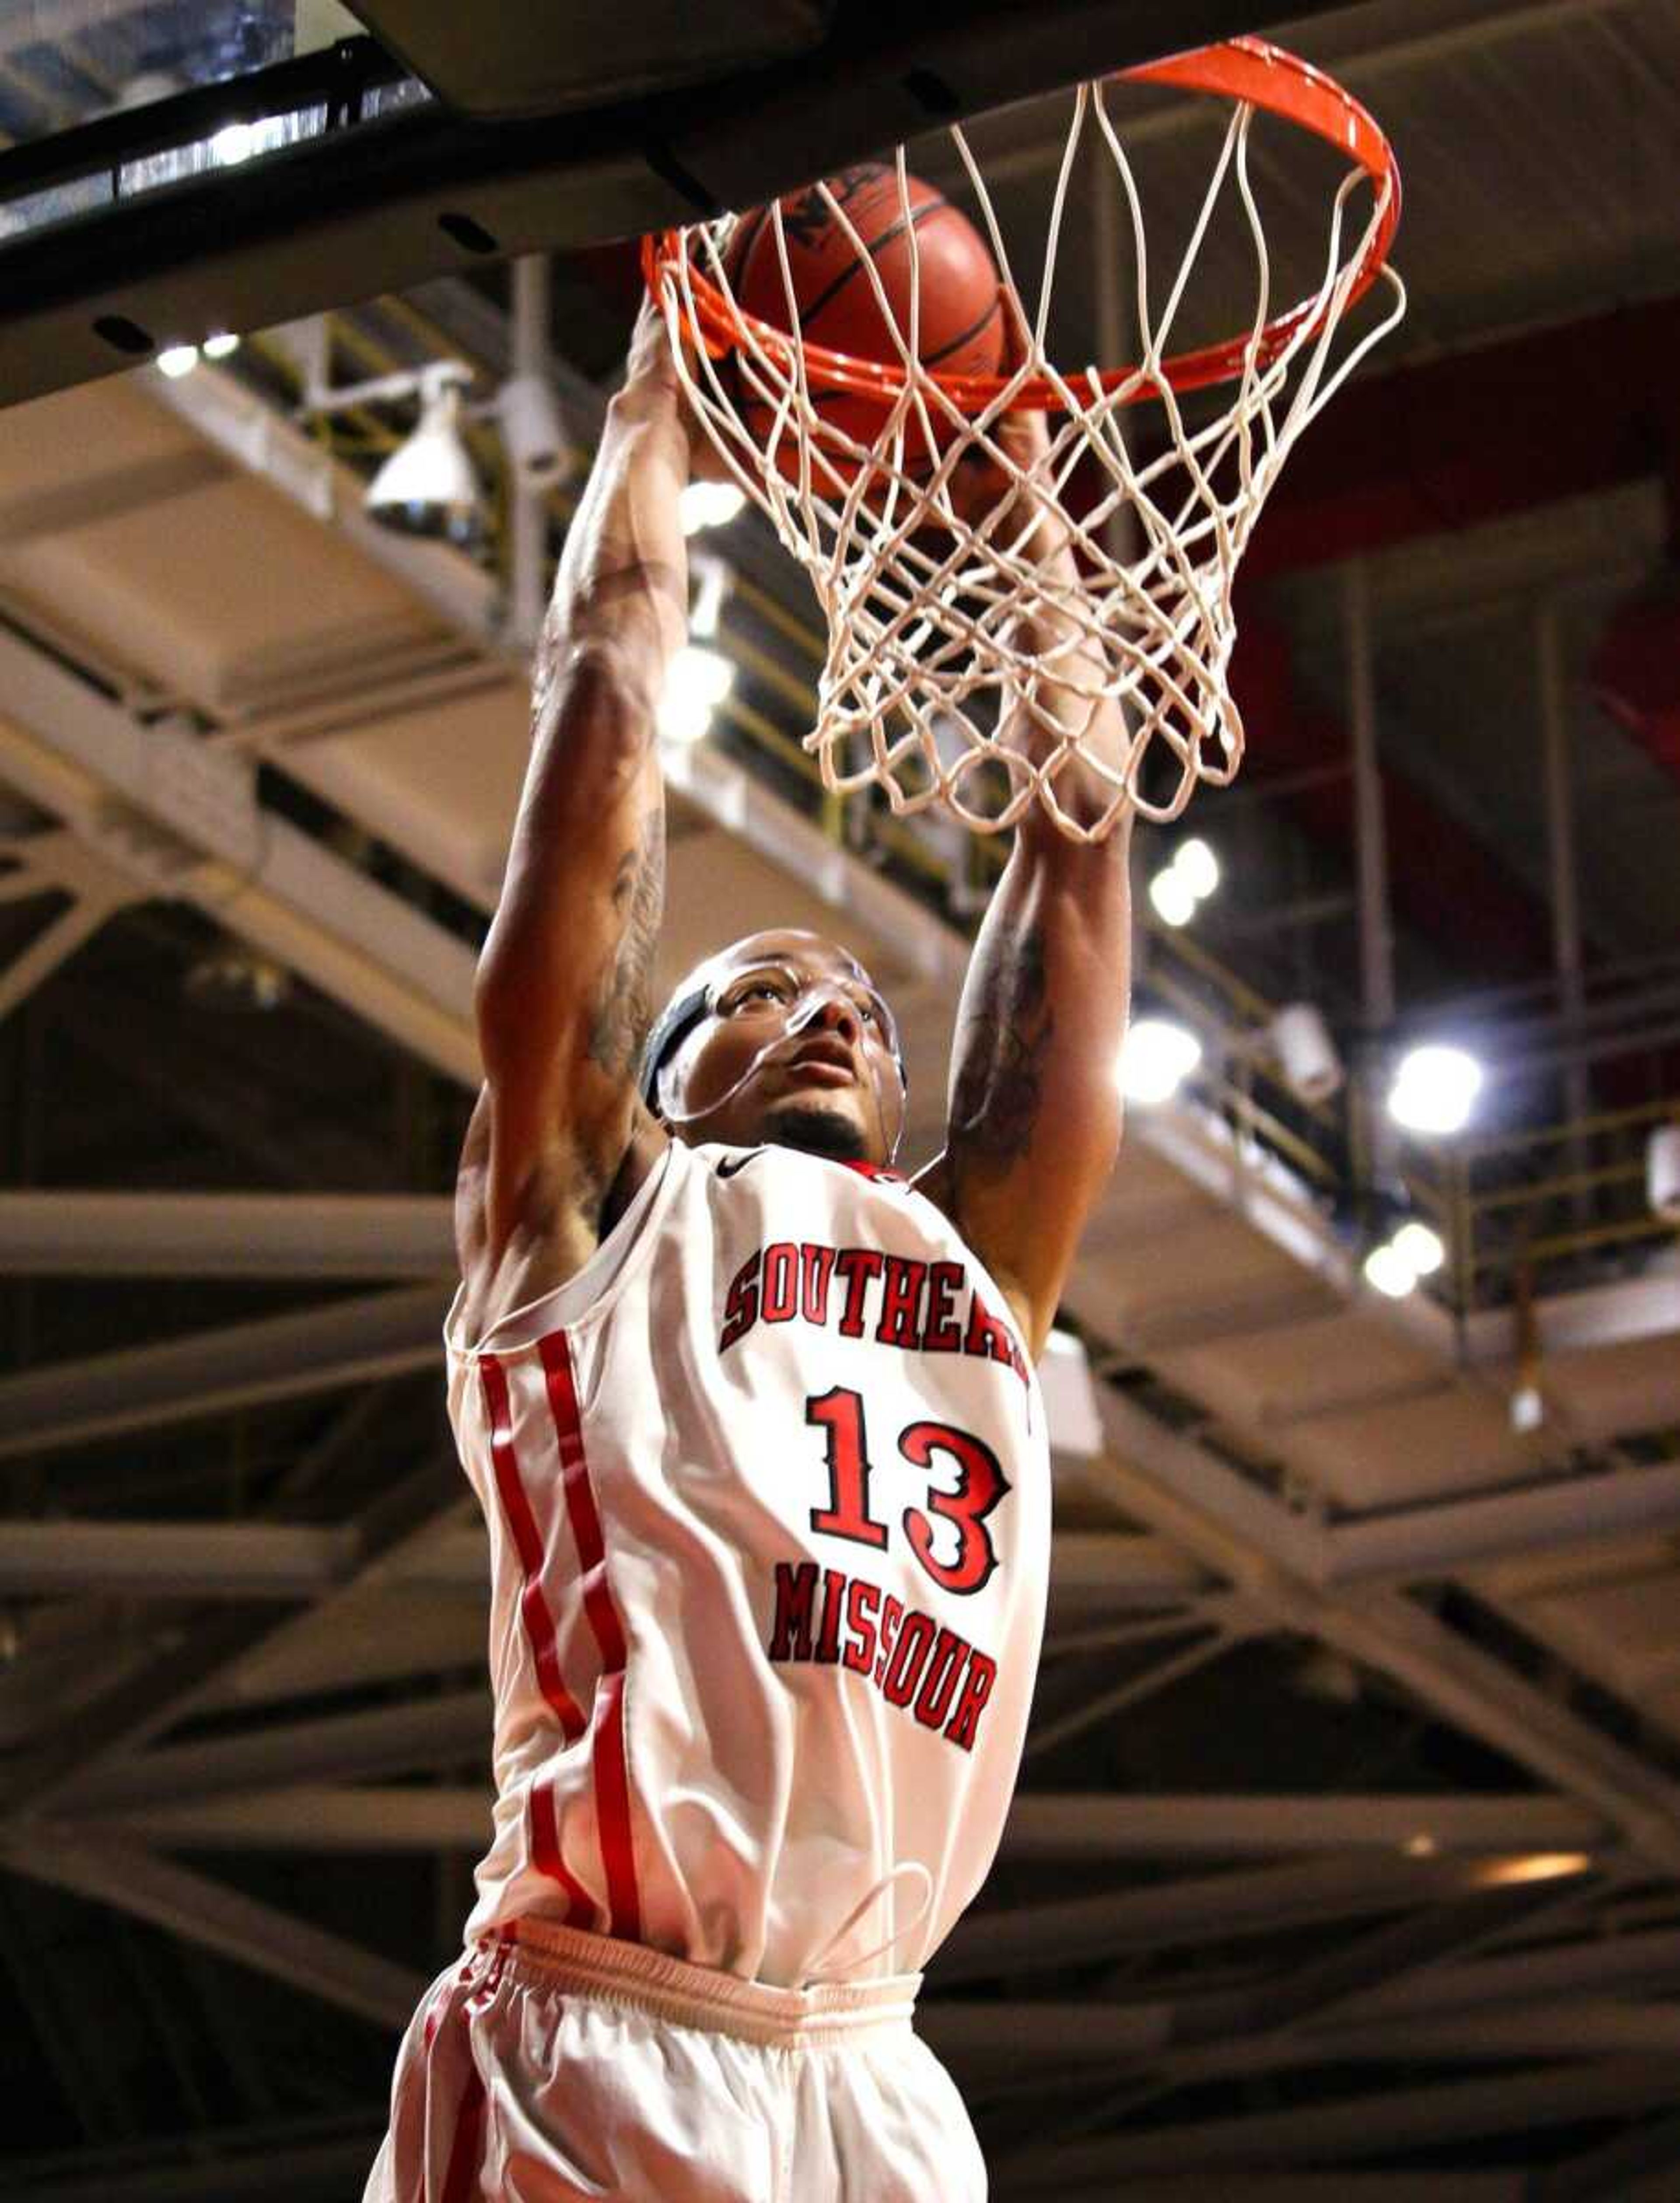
x=1094, y=1572
x=402, y=1739
x=1219, y=1322
x=200, y=1911
x=1603, y=1315
x=1298, y=1998
x=1014, y=2182
x=173, y=1560
x=303, y=2172
x=54, y=944
x=1615, y=2170
x=106, y=494
x=181, y=818
x=1170, y=1485
x=211, y=1793
x=1106, y=1573
x=1087, y=2033
x=319, y=1818
x=1515, y=1980
x=1068, y=1828
x=65, y=1234
x=1574, y=1513
x=1024, y=1939
x=1374, y=2124
x=279, y=1357
x=187, y=1664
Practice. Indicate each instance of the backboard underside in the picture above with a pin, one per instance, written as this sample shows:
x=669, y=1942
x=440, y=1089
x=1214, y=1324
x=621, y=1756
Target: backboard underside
x=462, y=171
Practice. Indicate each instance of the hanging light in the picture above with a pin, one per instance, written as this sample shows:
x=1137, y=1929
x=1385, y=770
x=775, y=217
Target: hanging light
x=709, y=504
x=1172, y=896
x=1306, y=1054
x=1157, y=1059
x=1527, y=1407
x=1197, y=866
x=713, y=582
x=533, y=430
x=1191, y=877
x=233, y=143
x=1662, y=1172
x=1389, y=1271
x=233, y=975
x=696, y=681
x=1416, y=1244
x=1411, y=1249
x=428, y=486
x=1434, y=1089
x=176, y=360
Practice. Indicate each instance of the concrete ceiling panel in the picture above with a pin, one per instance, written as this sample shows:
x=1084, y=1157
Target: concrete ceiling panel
x=1614, y=1391
x=237, y=571
x=441, y=782
x=1290, y=1369
x=1454, y=1439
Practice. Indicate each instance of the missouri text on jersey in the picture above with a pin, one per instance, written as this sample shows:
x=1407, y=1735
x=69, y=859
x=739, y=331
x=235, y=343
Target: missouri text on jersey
x=863, y=1292
x=910, y=1657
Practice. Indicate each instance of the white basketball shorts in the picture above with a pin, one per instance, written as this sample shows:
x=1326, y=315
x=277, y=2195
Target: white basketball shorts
x=557, y=2067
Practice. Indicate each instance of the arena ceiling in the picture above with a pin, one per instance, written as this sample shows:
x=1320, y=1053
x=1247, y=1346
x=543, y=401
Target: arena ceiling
x=1347, y=1862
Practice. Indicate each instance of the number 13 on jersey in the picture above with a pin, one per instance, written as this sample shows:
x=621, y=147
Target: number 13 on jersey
x=931, y=1447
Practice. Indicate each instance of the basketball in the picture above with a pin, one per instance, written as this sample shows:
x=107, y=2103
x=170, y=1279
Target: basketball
x=827, y=296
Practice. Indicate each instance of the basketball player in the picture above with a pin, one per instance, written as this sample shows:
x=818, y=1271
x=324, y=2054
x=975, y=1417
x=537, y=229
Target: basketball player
x=755, y=1428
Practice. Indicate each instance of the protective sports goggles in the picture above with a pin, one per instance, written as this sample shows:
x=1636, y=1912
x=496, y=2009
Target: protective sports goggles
x=801, y=996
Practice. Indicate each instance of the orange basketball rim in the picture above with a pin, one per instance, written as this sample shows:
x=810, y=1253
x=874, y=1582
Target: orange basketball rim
x=1248, y=70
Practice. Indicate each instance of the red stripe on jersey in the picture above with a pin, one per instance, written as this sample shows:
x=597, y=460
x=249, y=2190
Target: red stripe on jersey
x=612, y=1809
x=533, y=1608
x=611, y=1772
x=460, y=2181
x=546, y=1855
x=440, y=2003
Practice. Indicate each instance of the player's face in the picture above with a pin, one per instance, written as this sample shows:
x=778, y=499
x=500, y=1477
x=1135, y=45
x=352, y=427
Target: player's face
x=797, y=1050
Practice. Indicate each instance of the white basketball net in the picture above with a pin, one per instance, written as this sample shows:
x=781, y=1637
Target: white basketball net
x=964, y=665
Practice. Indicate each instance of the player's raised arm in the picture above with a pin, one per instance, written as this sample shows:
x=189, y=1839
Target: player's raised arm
x=562, y=989
x=1034, y=1107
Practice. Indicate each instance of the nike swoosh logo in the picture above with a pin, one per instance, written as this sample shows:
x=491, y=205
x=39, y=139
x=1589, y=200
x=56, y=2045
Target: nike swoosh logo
x=729, y=1168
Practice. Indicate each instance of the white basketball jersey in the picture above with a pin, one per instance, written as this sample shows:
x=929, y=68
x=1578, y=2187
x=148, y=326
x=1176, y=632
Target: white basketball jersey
x=768, y=1496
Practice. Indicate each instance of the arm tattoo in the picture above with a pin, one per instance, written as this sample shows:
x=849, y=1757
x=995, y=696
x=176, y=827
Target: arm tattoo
x=1000, y=1084
x=623, y=1009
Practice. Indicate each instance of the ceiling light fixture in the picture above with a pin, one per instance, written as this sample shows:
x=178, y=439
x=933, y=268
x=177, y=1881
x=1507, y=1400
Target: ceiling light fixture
x=428, y=486
x=1434, y=1089
x=709, y=504
x=1389, y=1271
x=1157, y=1059
x=533, y=431
x=1662, y=1172
x=712, y=581
x=1173, y=897
x=696, y=681
x=1423, y=1249
x=1199, y=866
x=233, y=143
x=1306, y=1054
x=1189, y=879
